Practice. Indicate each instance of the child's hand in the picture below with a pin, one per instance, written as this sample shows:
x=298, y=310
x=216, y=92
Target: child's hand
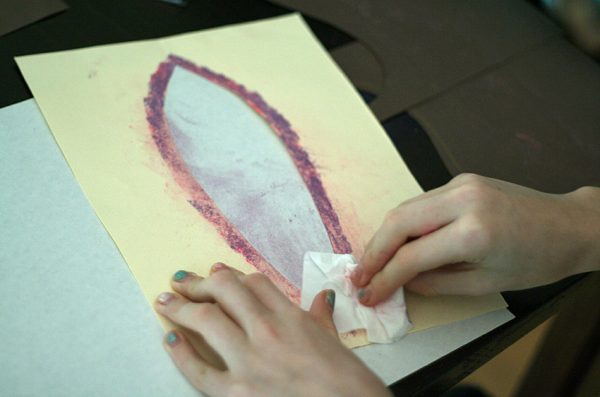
x=270, y=346
x=478, y=235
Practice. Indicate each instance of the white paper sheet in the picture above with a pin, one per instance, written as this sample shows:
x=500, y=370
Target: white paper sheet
x=74, y=321
x=416, y=350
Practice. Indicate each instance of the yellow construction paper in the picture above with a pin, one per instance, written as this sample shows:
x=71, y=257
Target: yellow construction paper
x=93, y=101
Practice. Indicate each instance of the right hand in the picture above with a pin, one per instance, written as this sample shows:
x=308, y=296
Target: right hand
x=478, y=235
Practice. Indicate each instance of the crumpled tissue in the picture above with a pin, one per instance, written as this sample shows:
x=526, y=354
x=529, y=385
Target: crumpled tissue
x=384, y=323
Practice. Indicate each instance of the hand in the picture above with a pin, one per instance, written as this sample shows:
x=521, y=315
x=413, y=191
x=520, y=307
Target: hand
x=477, y=235
x=270, y=346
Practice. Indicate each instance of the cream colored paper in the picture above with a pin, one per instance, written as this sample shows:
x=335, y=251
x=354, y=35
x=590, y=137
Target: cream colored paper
x=93, y=101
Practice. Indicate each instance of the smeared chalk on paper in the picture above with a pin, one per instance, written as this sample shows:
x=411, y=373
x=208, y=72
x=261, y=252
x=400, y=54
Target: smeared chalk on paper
x=242, y=167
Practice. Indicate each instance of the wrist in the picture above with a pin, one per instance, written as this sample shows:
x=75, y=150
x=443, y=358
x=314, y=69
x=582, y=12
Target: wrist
x=585, y=209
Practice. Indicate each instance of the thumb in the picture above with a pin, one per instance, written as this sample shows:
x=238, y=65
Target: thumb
x=321, y=310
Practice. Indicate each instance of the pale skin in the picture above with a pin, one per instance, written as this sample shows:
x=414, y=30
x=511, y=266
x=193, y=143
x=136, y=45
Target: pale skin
x=478, y=235
x=270, y=346
x=472, y=236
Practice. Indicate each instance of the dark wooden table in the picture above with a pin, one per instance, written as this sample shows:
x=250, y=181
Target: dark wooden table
x=93, y=22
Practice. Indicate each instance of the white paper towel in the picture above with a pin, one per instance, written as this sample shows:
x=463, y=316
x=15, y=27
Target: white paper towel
x=384, y=323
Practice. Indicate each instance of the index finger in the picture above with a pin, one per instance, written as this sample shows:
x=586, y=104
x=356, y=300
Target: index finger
x=401, y=225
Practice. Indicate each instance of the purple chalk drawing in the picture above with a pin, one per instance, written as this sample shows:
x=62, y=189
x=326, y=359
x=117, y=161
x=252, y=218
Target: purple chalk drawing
x=242, y=167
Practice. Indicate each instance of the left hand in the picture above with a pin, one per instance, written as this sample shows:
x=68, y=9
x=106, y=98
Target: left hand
x=269, y=345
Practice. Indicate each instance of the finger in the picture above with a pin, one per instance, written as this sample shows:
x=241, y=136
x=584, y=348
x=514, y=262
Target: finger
x=455, y=182
x=182, y=276
x=259, y=284
x=181, y=280
x=267, y=292
x=207, y=319
x=440, y=248
x=221, y=266
x=321, y=310
x=200, y=374
x=401, y=225
x=450, y=282
x=226, y=289
x=261, y=287
x=374, y=257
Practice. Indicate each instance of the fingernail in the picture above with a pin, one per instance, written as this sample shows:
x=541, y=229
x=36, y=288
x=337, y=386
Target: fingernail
x=330, y=296
x=357, y=273
x=172, y=338
x=219, y=266
x=180, y=275
x=364, y=294
x=165, y=297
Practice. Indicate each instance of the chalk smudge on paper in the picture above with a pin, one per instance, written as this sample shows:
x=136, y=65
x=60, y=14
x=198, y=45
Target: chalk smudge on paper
x=242, y=167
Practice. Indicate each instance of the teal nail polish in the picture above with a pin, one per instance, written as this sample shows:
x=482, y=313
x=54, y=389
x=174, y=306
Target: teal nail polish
x=180, y=275
x=171, y=338
x=363, y=294
x=331, y=298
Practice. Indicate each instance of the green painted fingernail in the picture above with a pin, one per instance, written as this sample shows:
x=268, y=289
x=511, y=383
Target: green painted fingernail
x=331, y=298
x=180, y=275
x=364, y=294
x=171, y=338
